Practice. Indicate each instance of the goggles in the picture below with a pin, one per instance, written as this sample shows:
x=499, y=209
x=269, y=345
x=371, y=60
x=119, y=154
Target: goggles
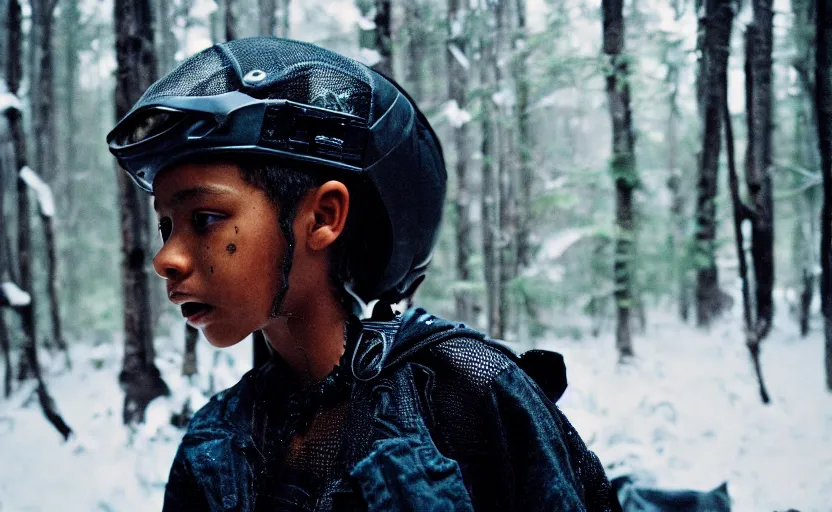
x=175, y=128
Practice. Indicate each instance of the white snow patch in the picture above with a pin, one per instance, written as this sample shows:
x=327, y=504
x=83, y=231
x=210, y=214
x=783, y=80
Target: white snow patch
x=554, y=247
x=41, y=188
x=455, y=115
x=9, y=101
x=459, y=56
x=366, y=24
x=14, y=295
x=686, y=412
x=369, y=57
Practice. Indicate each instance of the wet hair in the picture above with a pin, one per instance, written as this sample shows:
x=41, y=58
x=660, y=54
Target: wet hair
x=285, y=185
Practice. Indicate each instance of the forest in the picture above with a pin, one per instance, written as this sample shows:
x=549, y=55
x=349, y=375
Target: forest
x=644, y=186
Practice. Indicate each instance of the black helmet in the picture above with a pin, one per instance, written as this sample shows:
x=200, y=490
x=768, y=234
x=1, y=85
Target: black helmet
x=296, y=101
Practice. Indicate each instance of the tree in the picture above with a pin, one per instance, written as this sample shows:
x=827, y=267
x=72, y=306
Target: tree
x=623, y=167
x=27, y=310
x=758, y=47
x=230, y=21
x=742, y=213
x=806, y=232
x=823, y=104
x=267, y=18
x=284, y=13
x=673, y=57
x=136, y=70
x=715, y=38
x=458, y=78
x=488, y=199
x=379, y=38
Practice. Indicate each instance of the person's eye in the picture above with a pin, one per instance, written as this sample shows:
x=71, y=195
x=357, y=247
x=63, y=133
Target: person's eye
x=202, y=220
x=165, y=228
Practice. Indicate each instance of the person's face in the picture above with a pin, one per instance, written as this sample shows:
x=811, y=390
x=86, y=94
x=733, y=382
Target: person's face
x=222, y=249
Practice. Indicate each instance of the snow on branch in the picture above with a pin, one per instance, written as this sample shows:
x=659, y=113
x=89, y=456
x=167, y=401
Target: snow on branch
x=45, y=198
x=8, y=100
x=456, y=116
x=369, y=57
x=459, y=56
x=14, y=296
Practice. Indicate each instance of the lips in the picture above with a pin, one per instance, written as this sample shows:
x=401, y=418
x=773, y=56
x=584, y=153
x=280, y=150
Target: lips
x=196, y=312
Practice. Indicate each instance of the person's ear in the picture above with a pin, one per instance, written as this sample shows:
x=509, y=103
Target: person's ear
x=330, y=204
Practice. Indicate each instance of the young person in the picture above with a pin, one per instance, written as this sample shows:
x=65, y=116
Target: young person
x=293, y=185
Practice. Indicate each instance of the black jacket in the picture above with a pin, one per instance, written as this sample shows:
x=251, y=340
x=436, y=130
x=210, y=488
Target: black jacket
x=421, y=415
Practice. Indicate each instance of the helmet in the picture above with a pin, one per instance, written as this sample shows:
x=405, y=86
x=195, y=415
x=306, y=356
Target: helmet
x=298, y=102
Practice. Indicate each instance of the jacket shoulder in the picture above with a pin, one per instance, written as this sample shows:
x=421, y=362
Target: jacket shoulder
x=228, y=411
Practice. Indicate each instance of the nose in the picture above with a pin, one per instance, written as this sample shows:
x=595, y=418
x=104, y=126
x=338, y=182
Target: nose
x=173, y=261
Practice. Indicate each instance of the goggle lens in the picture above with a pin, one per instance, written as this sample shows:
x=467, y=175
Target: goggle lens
x=147, y=124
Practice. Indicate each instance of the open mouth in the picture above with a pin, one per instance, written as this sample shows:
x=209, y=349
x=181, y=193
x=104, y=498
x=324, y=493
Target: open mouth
x=195, y=311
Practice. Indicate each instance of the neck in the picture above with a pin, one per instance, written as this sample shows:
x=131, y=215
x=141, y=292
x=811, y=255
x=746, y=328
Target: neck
x=311, y=343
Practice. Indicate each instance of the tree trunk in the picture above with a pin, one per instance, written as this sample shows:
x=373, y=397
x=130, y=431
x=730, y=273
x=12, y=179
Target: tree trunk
x=380, y=37
x=673, y=55
x=27, y=312
x=806, y=155
x=5, y=344
x=488, y=201
x=268, y=17
x=715, y=29
x=741, y=213
x=458, y=37
x=414, y=25
x=230, y=21
x=823, y=102
x=285, y=25
x=189, y=361
x=623, y=169
x=167, y=43
x=758, y=161
x=136, y=71
x=44, y=125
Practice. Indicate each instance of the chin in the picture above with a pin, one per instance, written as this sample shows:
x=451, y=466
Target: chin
x=222, y=340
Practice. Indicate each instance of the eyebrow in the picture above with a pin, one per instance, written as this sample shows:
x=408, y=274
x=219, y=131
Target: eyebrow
x=189, y=193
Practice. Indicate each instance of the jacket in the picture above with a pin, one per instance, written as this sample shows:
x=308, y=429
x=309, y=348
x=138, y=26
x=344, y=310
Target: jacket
x=426, y=415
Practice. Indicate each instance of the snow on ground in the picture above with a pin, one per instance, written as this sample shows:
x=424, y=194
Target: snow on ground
x=686, y=412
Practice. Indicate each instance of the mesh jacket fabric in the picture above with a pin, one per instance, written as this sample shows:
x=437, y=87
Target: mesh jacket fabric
x=515, y=449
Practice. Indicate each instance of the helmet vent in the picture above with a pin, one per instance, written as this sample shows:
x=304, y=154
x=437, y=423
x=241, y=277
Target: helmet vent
x=254, y=76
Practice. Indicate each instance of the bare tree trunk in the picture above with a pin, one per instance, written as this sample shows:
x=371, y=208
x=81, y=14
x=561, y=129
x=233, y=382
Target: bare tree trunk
x=43, y=92
x=414, y=26
x=715, y=29
x=488, y=201
x=136, y=71
x=189, y=362
x=27, y=312
x=5, y=344
x=380, y=37
x=823, y=102
x=806, y=154
x=458, y=43
x=506, y=215
x=758, y=161
x=741, y=213
x=623, y=169
x=285, y=25
x=230, y=21
x=268, y=17
x=673, y=53
x=166, y=38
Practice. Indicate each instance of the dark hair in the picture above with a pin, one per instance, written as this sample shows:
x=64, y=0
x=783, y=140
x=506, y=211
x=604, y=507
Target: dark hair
x=357, y=254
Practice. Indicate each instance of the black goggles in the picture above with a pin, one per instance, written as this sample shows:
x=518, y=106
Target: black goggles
x=175, y=128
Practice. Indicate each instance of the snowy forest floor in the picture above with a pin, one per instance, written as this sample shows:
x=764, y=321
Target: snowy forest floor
x=686, y=412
